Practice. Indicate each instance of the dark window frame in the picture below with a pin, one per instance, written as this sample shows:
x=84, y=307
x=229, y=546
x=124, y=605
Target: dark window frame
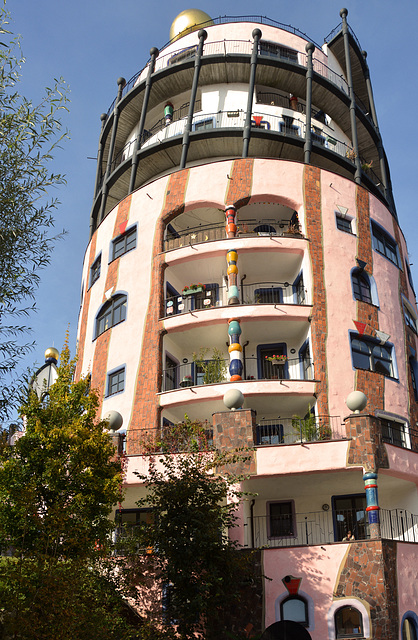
x=124, y=243
x=353, y=521
x=116, y=377
x=276, y=50
x=304, y=623
x=344, y=224
x=95, y=270
x=197, y=126
x=114, y=310
x=274, y=526
x=384, y=244
x=350, y=634
x=368, y=349
x=362, y=289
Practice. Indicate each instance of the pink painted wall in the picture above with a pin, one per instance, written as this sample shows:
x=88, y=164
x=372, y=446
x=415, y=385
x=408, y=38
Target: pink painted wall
x=327, y=456
x=407, y=572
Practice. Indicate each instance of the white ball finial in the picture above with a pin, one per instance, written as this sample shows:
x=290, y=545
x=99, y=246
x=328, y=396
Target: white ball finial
x=356, y=401
x=114, y=419
x=233, y=399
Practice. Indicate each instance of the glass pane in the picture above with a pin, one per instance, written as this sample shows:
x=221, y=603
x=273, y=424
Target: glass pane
x=348, y=622
x=294, y=609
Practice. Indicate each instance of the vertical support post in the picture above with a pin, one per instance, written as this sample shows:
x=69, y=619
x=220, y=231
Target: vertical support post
x=186, y=135
x=382, y=159
x=235, y=350
x=100, y=150
x=372, y=509
x=148, y=82
x=247, y=126
x=121, y=83
x=309, y=48
x=354, y=138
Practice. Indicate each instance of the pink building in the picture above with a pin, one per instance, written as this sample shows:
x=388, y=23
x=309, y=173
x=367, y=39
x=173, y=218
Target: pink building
x=243, y=207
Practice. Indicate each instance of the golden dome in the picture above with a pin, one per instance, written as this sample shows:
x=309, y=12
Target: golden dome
x=188, y=21
x=52, y=353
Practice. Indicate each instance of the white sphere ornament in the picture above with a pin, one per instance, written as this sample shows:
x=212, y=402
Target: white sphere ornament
x=114, y=419
x=356, y=401
x=233, y=399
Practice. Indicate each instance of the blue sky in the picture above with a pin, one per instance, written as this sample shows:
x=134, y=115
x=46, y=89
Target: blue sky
x=91, y=43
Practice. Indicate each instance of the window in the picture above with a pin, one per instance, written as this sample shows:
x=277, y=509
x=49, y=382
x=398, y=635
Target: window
x=348, y=623
x=269, y=434
x=350, y=515
x=202, y=125
x=361, y=286
x=183, y=55
x=112, y=313
x=370, y=355
x=170, y=373
x=281, y=519
x=129, y=523
x=124, y=243
x=95, y=270
x=295, y=608
x=413, y=365
x=394, y=432
x=383, y=243
x=116, y=382
x=305, y=362
x=277, y=51
x=288, y=127
x=299, y=290
x=408, y=271
x=270, y=368
x=343, y=223
x=272, y=295
x=410, y=317
x=409, y=627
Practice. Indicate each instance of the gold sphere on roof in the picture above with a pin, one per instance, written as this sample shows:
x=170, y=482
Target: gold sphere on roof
x=52, y=353
x=188, y=21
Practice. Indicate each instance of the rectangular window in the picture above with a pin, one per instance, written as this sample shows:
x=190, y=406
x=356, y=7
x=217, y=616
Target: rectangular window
x=370, y=355
x=343, y=224
x=350, y=515
x=281, y=519
x=383, y=243
x=183, y=55
x=202, y=125
x=410, y=319
x=95, y=270
x=116, y=382
x=270, y=434
x=124, y=243
x=277, y=51
x=271, y=295
x=394, y=432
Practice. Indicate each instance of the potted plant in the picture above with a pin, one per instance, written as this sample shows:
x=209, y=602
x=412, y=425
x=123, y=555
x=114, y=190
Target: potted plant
x=276, y=359
x=366, y=166
x=214, y=370
x=190, y=289
x=306, y=428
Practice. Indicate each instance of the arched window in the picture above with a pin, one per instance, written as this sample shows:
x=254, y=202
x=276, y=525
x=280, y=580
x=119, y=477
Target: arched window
x=111, y=313
x=348, y=623
x=409, y=630
x=295, y=608
x=361, y=285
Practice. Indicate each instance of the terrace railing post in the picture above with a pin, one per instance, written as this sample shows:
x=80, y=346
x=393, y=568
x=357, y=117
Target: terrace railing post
x=188, y=127
x=247, y=126
x=148, y=82
x=354, y=138
x=310, y=48
x=121, y=83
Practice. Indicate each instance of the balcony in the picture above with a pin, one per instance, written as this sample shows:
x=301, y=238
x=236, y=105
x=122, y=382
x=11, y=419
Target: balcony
x=324, y=527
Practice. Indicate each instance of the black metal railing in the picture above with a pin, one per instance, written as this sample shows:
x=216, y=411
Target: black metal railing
x=277, y=431
x=399, y=524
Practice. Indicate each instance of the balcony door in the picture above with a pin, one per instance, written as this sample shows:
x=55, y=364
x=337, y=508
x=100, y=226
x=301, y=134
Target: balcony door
x=350, y=515
x=268, y=368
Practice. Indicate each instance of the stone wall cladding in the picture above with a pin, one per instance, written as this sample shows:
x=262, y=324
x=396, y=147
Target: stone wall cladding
x=99, y=368
x=366, y=446
x=145, y=409
x=238, y=191
x=85, y=312
x=369, y=573
x=236, y=430
x=319, y=328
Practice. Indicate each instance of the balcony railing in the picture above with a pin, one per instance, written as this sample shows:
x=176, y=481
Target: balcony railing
x=176, y=239
x=324, y=527
x=282, y=431
x=214, y=371
x=274, y=293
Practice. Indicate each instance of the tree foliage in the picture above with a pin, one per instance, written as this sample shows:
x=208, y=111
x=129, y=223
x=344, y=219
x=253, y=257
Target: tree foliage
x=195, y=562
x=28, y=136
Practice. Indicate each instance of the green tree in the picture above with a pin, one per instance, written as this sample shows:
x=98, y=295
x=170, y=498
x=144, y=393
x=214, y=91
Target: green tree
x=58, y=485
x=194, y=561
x=28, y=136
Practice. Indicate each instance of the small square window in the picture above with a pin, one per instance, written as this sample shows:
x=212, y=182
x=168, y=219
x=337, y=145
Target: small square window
x=95, y=270
x=124, y=243
x=343, y=224
x=116, y=382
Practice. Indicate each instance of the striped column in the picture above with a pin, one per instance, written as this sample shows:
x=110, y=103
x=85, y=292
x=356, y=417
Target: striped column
x=370, y=485
x=232, y=256
x=235, y=350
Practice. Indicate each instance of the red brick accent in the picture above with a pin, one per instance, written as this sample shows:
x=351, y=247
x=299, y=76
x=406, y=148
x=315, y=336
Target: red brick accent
x=319, y=328
x=371, y=383
x=366, y=446
x=236, y=430
x=238, y=191
x=85, y=312
x=369, y=573
x=99, y=369
x=145, y=409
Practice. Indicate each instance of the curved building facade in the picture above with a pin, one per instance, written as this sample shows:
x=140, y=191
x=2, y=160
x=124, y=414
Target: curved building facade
x=244, y=235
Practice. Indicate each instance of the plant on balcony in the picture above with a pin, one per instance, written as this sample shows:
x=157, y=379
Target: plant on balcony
x=277, y=359
x=325, y=432
x=214, y=370
x=306, y=428
x=366, y=166
x=189, y=289
x=189, y=435
x=350, y=154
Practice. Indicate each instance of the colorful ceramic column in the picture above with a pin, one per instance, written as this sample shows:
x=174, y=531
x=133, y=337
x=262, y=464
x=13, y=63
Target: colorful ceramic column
x=370, y=484
x=231, y=255
x=235, y=350
x=168, y=113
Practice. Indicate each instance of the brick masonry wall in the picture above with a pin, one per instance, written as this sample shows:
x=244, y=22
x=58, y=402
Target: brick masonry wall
x=236, y=430
x=238, y=190
x=371, y=383
x=319, y=329
x=99, y=368
x=86, y=308
x=145, y=408
x=368, y=572
x=366, y=446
